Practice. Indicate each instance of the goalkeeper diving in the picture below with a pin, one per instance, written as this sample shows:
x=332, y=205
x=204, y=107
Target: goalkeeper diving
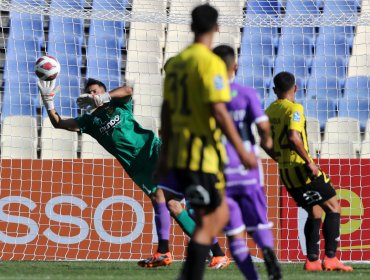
x=109, y=119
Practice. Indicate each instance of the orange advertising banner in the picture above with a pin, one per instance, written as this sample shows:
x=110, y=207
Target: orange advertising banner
x=84, y=209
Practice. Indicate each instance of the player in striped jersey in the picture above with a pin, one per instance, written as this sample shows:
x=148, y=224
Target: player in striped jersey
x=195, y=91
x=305, y=182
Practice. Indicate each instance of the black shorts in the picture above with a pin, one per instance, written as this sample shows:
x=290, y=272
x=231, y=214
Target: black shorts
x=316, y=192
x=199, y=188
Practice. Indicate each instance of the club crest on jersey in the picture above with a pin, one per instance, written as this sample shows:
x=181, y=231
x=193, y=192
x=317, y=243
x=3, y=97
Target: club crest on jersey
x=97, y=121
x=219, y=83
x=296, y=117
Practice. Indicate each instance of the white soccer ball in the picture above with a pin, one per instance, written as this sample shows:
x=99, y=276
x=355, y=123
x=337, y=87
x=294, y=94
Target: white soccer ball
x=47, y=68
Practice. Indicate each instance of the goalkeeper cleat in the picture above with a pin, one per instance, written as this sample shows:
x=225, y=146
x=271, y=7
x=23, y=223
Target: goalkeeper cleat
x=156, y=260
x=219, y=262
x=313, y=265
x=272, y=264
x=334, y=264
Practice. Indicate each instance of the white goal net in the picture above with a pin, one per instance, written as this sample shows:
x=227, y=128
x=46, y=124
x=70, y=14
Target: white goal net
x=62, y=196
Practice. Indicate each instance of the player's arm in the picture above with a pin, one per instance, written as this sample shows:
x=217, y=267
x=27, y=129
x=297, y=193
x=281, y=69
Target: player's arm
x=296, y=126
x=264, y=131
x=47, y=92
x=224, y=121
x=93, y=101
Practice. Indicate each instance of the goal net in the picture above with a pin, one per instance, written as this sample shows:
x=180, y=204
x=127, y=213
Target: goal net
x=62, y=196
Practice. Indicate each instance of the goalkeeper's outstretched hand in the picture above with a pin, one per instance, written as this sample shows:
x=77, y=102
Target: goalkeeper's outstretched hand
x=47, y=92
x=90, y=102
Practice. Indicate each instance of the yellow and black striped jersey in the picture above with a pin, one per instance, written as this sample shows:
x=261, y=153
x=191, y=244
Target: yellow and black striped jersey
x=286, y=115
x=195, y=78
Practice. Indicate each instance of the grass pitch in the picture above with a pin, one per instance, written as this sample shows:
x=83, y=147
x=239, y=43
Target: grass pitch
x=27, y=270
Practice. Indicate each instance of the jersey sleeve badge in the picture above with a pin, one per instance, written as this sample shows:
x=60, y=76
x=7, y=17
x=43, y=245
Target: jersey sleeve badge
x=218, y=82
x=296, y=117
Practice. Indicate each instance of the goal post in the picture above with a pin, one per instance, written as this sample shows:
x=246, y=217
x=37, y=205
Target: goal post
x=62, y=196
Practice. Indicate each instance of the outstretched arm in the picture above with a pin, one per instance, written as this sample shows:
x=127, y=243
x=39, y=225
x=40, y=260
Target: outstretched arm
x=47, y=92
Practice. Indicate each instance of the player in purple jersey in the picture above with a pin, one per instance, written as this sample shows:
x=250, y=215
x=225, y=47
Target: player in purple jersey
x=244, y=188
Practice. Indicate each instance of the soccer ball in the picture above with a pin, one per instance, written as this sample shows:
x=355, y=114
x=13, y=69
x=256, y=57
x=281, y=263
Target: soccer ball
x=47, y=68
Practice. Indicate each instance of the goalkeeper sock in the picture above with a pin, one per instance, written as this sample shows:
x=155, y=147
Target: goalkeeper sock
x=186, y=222
x=162, y=223
x=243, y=259
x=312, y=234
x=195, y=261
x=263, y=238
x=331, y=233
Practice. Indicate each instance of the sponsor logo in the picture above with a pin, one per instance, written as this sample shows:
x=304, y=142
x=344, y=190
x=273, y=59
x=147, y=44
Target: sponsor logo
x=218, y=82
x=110, y=124
x=296, y=117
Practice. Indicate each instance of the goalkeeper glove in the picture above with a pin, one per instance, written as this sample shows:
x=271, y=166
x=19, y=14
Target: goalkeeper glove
x=90, y=102
x=47, y=92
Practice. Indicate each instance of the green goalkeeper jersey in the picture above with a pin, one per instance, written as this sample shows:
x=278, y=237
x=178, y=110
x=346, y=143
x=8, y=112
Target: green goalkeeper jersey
x=136, y=148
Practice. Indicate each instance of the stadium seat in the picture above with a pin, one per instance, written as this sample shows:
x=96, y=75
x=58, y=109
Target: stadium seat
x=321, y=109
x=272, y=32
x=25, y=26
x=323, y=88
x=257, y=83
x=256, y=66
x=297, y=65
x=59, y=27
x=342, y=138
x=359, y=62
x=257, y=45
x=329, y=66
x=110, y=5
x=19, y=70
x=365, y=149
x=263, y=7
x=57, y=143
x=296, y=45
x=100, y=67
x=357, y=87
x=331, y=44
x=339, y=7
x=19, y=137
x=91, y=149
x=313, y=135
x=268, y=100
x=355, y=108
x=307, y=32
x=20, y=97
x=23, y=50
x=104, y=29
x=302, y=8
x=346, y=31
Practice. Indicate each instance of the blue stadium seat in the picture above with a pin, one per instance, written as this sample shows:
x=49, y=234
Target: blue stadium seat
x=263, y=7
x=307, y=32
x=268, y=100
x=68, y=4
x=357, y=87
x=105, y=28
x=107, y=47
x=65, y=101
x=302, y=7
x=272, y=32
x=324, y=88
x=18, y=69
x=355, y=108
x=296, y=65
x=25, y=50
x=329, y=66
x=346, y=31
x=259, y=83
x=340, y=7
x=19, y=98
x=105, y=67
x=321, y=109
x=59, y=27
x=292, y=44
x=257, y=45
x=332, y=44
x=114, y=5
x=255, y=66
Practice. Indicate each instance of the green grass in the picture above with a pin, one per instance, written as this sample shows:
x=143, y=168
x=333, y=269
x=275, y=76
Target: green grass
x=27, y=270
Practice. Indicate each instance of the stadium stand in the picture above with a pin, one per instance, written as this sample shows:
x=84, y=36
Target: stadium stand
x=342, y=138
x=314, y=136
x=355, y=108
x=324, y=88
x=320, y=109
x=57, y=143
x=91, y=149
x=19, y=137
x=357, y=87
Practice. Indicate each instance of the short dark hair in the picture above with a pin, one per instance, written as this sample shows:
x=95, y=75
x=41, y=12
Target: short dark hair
x=204, y=19
x=283, y=82
x=91, y=82
x=226, y=53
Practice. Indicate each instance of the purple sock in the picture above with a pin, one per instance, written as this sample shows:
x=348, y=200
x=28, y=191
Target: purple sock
x=243, y=259
x=263, y=238
x=162, y=221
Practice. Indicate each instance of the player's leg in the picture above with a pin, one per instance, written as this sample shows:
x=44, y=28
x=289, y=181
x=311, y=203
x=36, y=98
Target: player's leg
x=235, y=231
x=211, y=215
x=331, y=234
x=254, y=213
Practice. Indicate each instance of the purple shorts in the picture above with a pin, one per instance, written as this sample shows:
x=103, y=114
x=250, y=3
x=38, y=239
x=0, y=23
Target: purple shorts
x=248, y=211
